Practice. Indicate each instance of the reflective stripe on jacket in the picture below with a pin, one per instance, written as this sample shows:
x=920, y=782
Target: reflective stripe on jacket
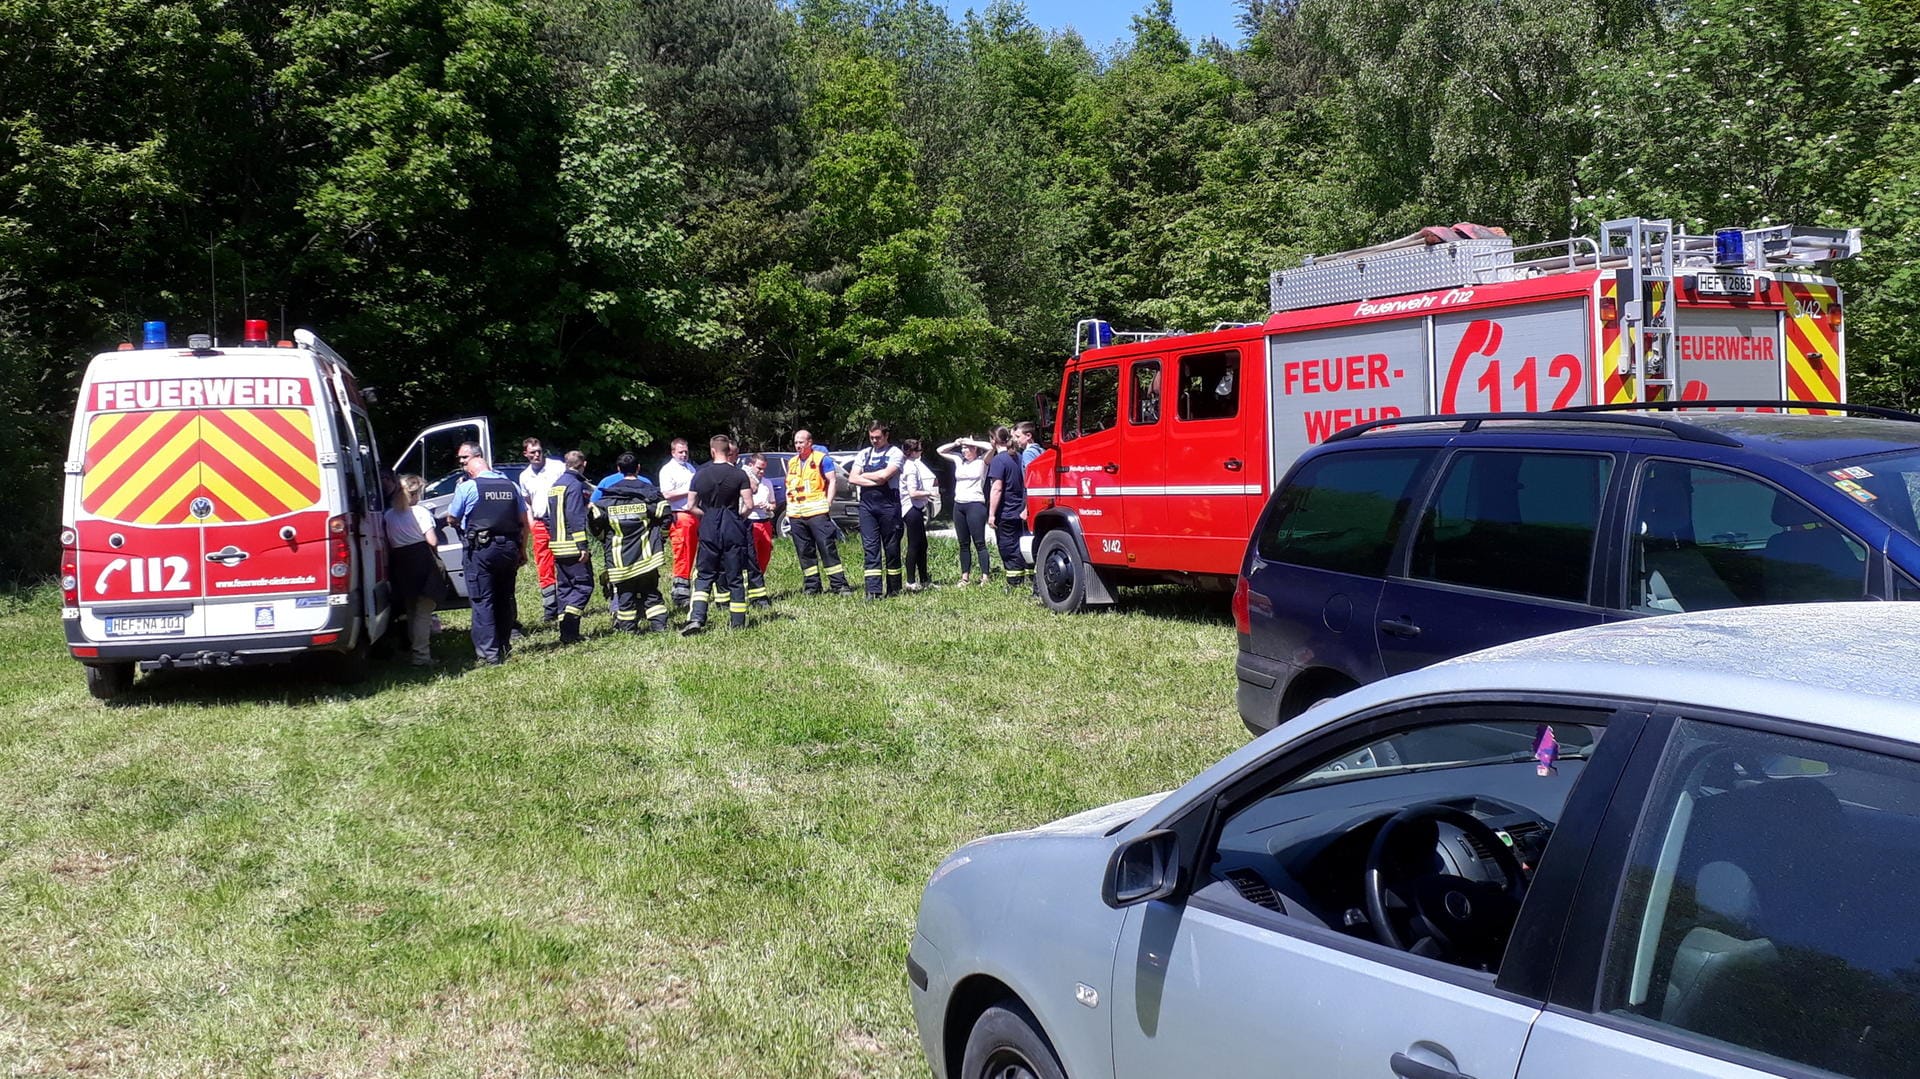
x=566, y=516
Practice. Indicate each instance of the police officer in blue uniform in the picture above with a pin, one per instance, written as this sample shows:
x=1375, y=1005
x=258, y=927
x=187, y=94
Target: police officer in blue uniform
x=491, y=514
x=566, y=523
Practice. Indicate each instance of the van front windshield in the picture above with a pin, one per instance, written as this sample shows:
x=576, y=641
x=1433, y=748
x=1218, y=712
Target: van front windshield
x=1887, y=484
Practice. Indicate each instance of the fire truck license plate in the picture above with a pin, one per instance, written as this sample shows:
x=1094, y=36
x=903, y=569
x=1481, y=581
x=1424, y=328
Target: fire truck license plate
x=1724, y=284
x=146, y=625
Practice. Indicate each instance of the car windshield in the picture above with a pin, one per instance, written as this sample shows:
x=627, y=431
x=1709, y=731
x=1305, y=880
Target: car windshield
x=1456, y=746
x=1887, y=484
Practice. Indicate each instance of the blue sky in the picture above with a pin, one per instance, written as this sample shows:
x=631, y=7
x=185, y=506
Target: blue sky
x=1103, y=23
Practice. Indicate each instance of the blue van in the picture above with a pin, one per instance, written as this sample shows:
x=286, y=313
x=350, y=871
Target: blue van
x=1398, y=544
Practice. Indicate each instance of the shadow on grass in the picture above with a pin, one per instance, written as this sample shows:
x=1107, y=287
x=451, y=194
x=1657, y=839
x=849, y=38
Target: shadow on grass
x=1178, y=604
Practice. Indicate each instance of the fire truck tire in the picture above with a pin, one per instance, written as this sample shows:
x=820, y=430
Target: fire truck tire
x=108, y=680
x=1062, y=573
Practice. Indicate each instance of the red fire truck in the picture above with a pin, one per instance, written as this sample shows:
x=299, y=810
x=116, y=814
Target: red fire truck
x=1166, y=445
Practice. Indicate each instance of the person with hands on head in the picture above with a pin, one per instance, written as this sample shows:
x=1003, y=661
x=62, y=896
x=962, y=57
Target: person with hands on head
x=969, y=457
x=491, y=515
x=876, y=471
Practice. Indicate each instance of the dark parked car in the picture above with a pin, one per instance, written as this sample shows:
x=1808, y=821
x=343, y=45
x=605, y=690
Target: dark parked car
x=1392, y=546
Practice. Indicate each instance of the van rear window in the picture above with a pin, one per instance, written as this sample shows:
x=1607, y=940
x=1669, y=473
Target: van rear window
x=192, y=466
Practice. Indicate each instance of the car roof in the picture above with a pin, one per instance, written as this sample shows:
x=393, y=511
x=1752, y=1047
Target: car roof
x=1796, y=437
x=1847, y=666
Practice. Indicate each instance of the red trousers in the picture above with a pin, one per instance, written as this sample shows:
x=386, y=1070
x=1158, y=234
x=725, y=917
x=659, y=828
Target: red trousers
x=762, y=543
x=686, y=539
x=542, y=555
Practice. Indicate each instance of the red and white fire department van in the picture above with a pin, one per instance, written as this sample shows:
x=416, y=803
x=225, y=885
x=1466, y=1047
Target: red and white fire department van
x=222, y=506
x=1167, y=445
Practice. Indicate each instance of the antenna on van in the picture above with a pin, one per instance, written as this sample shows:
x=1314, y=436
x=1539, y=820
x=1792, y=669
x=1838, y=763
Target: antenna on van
x=213, y=296
x=243, y=294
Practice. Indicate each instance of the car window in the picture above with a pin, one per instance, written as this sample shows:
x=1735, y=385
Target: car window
x=1468, y=797
x=1704, y=538
x=1093, y=402
x=1514, y=522
x=1209, y=385
x=1767, y=902
x=1888, y=485
x=1146, y=392
x=1342, y=511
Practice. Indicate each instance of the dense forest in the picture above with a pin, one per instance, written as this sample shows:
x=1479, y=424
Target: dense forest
x=611, y=221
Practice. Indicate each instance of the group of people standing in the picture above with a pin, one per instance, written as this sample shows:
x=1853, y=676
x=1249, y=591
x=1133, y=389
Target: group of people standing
x=707, y=530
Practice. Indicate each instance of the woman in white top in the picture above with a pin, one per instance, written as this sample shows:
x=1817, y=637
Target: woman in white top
x=919, y=500
x=413, y=566
x=969, y=457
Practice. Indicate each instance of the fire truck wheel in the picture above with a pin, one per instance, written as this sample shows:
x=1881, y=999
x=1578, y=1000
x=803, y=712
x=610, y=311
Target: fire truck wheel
x=108, y=680
x=1062, y=573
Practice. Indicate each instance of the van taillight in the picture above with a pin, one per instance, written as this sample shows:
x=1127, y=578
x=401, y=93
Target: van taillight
x=1242, y=621
x=339, y=555
x=69, y=567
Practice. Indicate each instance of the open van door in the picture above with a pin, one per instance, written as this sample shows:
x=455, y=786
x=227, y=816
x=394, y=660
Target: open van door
x=432, y=456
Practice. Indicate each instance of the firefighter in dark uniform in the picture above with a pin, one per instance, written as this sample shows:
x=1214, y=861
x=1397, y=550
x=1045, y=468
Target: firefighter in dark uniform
x=876, y=471
x=721, y=490
x=491, y=514
x=633, y=515
x=566, y=523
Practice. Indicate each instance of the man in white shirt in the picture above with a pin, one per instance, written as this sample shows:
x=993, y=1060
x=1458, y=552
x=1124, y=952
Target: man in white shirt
x=676, y=483
x=534, y=481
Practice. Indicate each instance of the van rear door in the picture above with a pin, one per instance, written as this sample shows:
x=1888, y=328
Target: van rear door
x=266, y=545
x=139, y=562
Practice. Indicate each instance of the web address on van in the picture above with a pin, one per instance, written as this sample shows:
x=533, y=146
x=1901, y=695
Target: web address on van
x=266, y=582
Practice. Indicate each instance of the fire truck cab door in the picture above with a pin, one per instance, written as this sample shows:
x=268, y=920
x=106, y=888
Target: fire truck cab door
x=1092, y=474
x=1147, y=426
x=1208, y=472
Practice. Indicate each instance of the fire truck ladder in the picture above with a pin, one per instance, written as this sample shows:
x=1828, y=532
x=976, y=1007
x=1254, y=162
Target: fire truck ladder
x=1644, y=291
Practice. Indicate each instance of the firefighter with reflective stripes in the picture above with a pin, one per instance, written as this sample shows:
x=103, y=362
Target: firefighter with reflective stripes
x=720, y=498
x=811, y=481
x=491, y=514
x=877, y=473
x=632, y=514
x=566, y=522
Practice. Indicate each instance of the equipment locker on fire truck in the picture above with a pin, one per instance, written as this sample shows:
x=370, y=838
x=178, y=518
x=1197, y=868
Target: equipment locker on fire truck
x=1166, y=445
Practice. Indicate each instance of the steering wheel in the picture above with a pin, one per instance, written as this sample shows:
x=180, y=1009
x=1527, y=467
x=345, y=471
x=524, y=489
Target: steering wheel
x=1468, y=921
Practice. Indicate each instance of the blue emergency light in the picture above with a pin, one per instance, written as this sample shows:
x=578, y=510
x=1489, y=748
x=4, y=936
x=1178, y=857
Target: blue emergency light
x=1729, y=247
x=153, y=335
x=1102, y=333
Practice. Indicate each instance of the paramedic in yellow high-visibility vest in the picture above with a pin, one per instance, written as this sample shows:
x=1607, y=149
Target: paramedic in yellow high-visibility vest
x=811, y=481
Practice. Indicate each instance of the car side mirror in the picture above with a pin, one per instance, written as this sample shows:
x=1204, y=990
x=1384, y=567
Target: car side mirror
x=1043, y=409
x=1144, y=867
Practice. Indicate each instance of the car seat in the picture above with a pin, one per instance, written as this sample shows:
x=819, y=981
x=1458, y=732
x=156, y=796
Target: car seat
x=1673, y=574
x=1809, y=560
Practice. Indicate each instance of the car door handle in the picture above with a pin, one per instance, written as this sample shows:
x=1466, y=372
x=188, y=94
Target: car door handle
x=1399, y=627
x=1110, y=468
x=1233, y=464
x=1406, y=1067
x=228, y=555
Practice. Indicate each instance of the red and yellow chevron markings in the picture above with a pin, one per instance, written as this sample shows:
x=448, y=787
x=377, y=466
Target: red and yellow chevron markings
x=250, y=464
x=1813, y=342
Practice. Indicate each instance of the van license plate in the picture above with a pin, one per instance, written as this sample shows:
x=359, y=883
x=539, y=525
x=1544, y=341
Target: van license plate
x=146, y=625
x=1724, y=284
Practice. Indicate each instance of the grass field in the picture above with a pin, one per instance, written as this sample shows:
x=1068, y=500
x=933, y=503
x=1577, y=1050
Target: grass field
x=653, y=857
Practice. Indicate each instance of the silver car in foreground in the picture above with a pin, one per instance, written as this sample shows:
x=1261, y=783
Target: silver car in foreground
x=1680, y=847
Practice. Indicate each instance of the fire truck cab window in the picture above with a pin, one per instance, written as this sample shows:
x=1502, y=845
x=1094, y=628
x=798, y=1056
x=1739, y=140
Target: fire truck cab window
x=1145, y=406
x=1210, y=385
x=1093, y=403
